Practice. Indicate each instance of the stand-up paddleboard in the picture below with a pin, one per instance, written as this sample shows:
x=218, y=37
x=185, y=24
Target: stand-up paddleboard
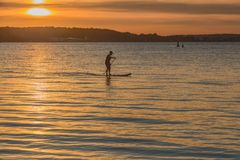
x=112, y=75
x=121, y=75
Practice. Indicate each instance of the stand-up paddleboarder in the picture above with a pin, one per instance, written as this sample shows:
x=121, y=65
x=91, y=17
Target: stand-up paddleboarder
x=108, y=63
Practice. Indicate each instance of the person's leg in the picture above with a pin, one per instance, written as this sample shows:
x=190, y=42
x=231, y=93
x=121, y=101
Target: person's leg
x=108, y=70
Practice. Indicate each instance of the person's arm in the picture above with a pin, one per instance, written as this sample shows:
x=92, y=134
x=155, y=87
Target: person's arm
x=114, y=58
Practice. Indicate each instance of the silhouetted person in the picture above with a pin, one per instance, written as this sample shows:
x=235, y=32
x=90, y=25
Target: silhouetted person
x=108, y=63
x=182, y=45
x=178, y=44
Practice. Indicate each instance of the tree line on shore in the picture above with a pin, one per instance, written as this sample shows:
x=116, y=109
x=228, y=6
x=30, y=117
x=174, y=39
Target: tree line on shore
x=63, y=34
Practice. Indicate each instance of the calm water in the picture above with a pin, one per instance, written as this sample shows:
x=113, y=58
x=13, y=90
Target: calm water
x=180, y=104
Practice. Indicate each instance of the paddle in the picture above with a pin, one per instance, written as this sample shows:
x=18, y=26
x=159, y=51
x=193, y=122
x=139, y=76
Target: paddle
x=113, y=60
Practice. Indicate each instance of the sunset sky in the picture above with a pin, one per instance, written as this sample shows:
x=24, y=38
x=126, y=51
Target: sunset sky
x=165, y=17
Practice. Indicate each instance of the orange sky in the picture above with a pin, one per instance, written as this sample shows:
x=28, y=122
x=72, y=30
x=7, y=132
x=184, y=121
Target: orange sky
x=164, y=17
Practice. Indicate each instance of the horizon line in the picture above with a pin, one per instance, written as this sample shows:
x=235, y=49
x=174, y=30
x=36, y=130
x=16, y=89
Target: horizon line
x=75, y=27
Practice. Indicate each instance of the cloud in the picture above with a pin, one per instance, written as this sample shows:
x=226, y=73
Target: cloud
x=166, y=7
x=143, y=6
x=13, y=5
x=128, y=21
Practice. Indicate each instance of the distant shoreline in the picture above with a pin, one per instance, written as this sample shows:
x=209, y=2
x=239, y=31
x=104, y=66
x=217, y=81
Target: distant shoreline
x=62, y=34
x=126, y=42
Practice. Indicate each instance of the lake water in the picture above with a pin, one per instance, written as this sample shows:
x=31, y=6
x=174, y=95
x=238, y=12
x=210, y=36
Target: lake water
x=179, y=104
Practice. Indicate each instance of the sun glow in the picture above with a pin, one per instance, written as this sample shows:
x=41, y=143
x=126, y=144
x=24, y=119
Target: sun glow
x=38, y=1
x=39, y=12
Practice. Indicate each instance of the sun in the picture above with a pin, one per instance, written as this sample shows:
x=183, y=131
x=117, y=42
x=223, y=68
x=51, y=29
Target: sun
x=38, y=1
x=39, y=12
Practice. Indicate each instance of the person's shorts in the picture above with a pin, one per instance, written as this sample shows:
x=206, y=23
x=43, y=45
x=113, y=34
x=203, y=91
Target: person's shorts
x=108, y=65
